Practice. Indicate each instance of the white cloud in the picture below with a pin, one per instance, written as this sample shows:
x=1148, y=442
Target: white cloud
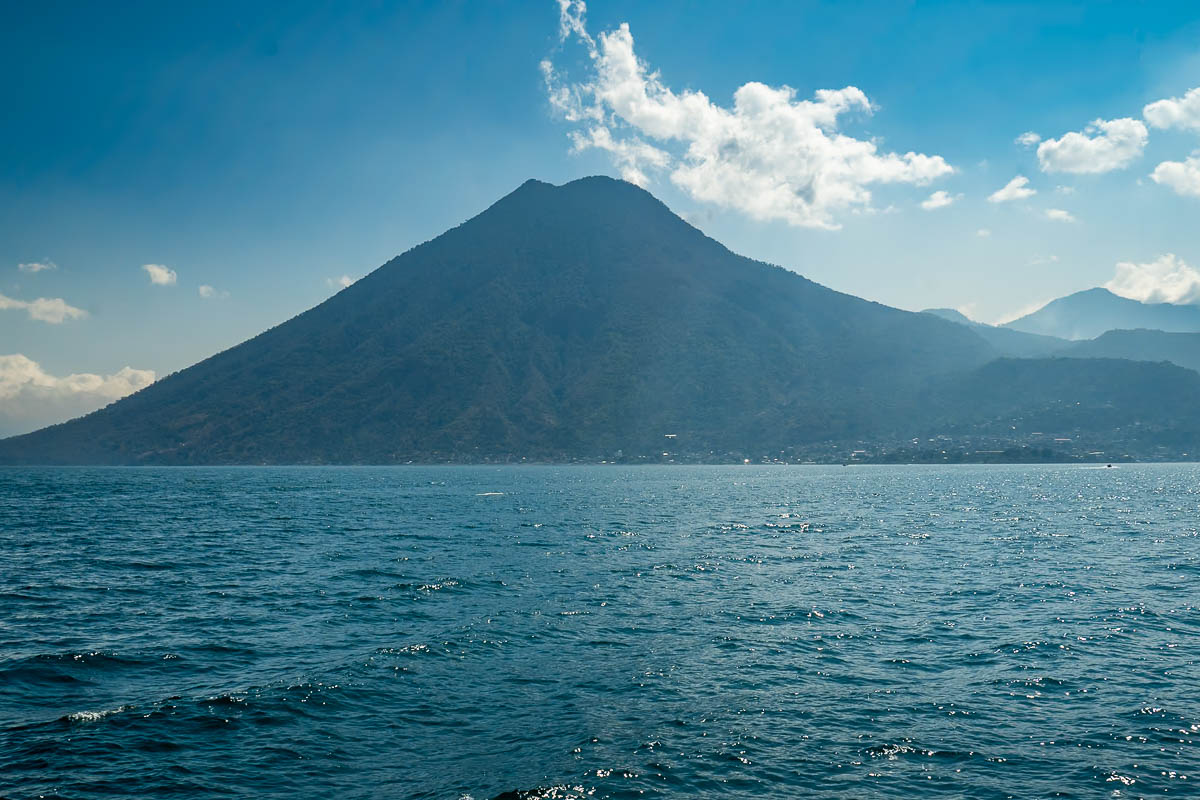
x=571, y=20
x=1181, y=176
x=31, y=398
x=341, y=282
x=770, y=155
x=1016, y=189
x=19, y=374
x=160, y=275
x=1059, y=215
x=1167, y=279
x=209, y=293
x=37, y=266
x=1175, y=112
x=1065, y=189
x=1036, y=260
x=1102, y=146
x=939, y=199
x=983, y=233
x=54, y=310
x=1028, y=139
x=631, y=155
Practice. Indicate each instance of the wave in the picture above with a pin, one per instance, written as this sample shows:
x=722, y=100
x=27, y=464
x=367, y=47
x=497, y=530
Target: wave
x=94, y=716
x=547, y=793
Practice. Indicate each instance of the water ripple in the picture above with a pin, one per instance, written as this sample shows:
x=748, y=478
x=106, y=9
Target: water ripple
x=550, y=632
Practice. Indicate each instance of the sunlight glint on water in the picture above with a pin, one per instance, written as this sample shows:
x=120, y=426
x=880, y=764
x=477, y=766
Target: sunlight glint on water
x=600, y=631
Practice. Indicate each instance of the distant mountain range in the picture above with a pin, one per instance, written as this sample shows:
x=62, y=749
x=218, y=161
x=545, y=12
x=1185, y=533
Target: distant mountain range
x=588, y=322
x=1007, y=341
x=1088, y=314
x=1142, y=345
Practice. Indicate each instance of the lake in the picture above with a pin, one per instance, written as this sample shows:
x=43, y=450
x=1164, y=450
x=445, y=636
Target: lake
x=600, y=632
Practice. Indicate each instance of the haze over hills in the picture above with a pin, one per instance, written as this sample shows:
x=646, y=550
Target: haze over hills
x=587, y=321
x=1182, y=349
x=1008, y=342
x=1141, y=345
x=1088, y=314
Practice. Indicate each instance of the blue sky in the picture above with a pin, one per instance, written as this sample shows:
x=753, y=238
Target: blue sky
x=266, y=151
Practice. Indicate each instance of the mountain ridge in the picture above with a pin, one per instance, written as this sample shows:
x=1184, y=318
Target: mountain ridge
x=1142, y=344
x=559, y=319
x=1008, y=342
x=582, y=321
x=1093, y=312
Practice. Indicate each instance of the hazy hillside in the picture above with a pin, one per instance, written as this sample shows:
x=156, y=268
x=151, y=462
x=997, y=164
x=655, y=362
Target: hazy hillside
x=1122, y=407
x=1182, y=349
x=1088, y=314
x=1060, y=393
x=952, y=314
x=1008, y=342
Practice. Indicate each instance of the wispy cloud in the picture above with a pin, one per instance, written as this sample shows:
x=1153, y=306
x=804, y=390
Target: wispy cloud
x=1028, y=139
x=1059, y=215
x=631, y=155
x=54, y=310
x=1102, y=146
x=209, y=293
x=983, y=233
x=160, y=275
x=1023, y=311
x=340, y=282
x=1166, y=279
x=1016, y=189
x=770, y=155
x=968, y=310
x=37, y=266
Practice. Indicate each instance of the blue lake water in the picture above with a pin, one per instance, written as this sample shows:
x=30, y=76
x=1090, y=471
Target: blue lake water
x=604, y=632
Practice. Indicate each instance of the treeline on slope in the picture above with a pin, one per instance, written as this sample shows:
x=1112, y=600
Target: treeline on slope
x=1143, y=404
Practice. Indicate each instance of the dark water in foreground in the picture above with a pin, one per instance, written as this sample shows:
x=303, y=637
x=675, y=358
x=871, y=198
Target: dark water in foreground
x=978, y=632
